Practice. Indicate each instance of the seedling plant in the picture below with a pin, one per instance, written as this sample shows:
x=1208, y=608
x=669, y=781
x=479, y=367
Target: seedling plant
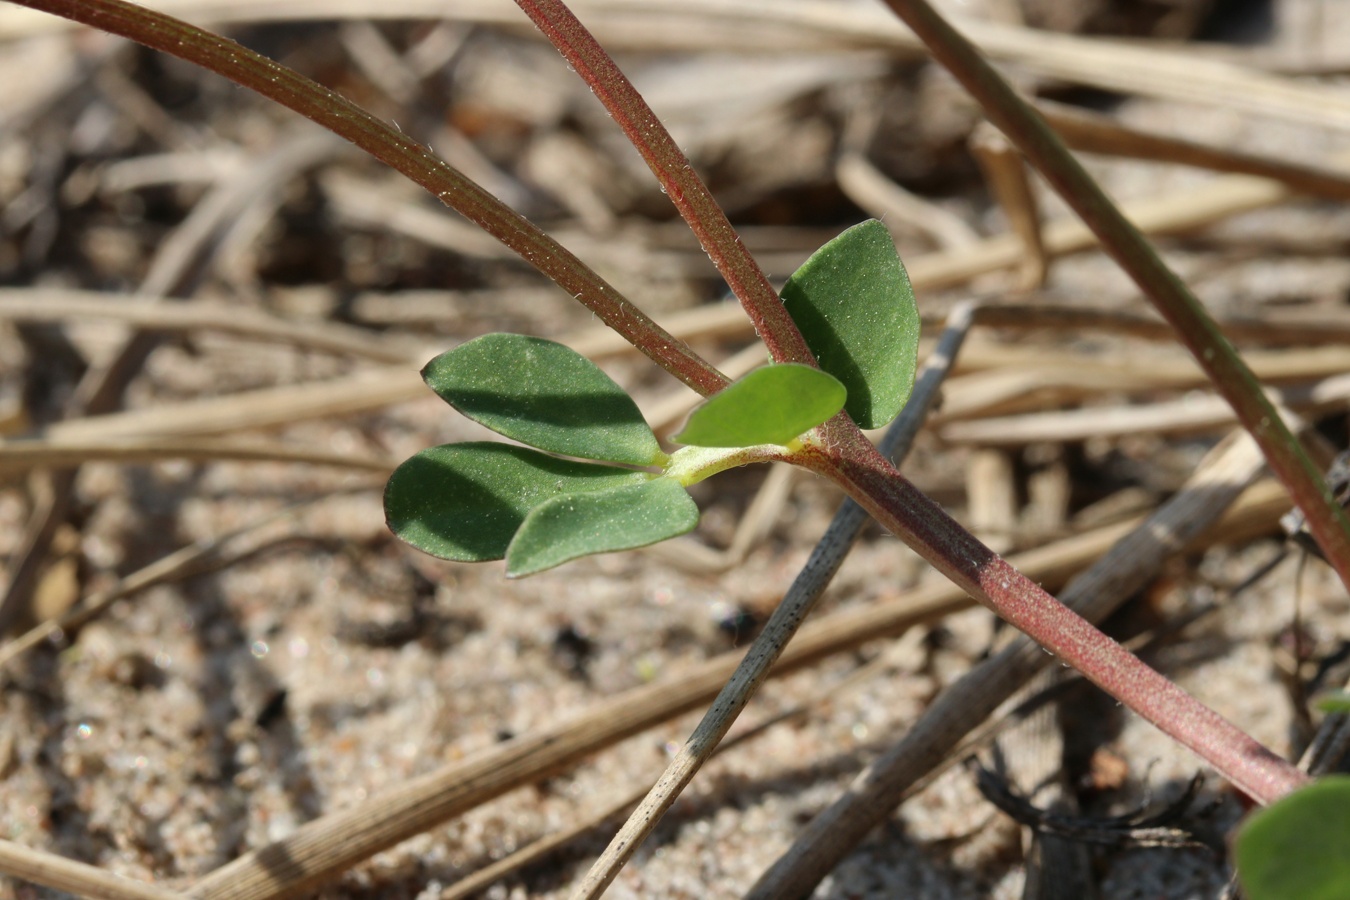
x=589, y=476
x=541, y=507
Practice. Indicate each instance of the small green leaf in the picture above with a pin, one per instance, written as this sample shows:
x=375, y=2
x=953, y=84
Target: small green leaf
x=855, y=307
x=543, y=394
x=1297, y=847
x=771, y=405
x=465, y=501
x=1334, y=702
x=572, y=525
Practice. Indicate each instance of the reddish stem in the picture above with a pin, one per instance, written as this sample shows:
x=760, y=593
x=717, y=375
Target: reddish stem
x=677, y=176
x=344, y=118
x=905, y=511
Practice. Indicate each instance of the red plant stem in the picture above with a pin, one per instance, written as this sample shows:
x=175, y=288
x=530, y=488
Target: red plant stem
x=910, y=515
x=1230, y=375
x=678, y=179
x=344, y=118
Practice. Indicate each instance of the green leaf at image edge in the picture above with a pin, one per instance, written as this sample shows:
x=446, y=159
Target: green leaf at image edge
x=574, y=525
x=1335, y=702
x=465, y=501
x=771, y=405
x=854, y=304
x=543, y=394
x=1299, y=847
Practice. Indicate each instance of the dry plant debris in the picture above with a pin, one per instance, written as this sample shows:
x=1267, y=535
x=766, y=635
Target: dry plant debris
x=230, y=647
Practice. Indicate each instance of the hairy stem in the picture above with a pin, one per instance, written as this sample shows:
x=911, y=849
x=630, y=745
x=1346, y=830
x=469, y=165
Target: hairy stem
x=344, y=118
x=910, y=515
x=1230, y=375
x=678, y=179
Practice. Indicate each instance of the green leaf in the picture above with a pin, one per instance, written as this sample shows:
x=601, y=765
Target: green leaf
x=771, y=405
x=543, y=394
x=1297, y=847
x=855, y=307
x=465, y=501
x=1334, y=702
x=572, y=525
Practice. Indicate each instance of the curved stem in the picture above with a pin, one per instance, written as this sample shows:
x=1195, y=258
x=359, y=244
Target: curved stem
x=678, y=178
x=344, y=118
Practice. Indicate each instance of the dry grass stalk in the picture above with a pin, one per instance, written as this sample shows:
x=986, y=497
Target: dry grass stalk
x=50, y=305
x=1006, y=173
x=1008, y=379
x=1094, y=133
x=28, y=454
x=1189, y=415
x=75, y=877
x=264, y=408
x=882, y=198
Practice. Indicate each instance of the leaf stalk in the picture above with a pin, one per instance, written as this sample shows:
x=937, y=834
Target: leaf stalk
x=690, y=465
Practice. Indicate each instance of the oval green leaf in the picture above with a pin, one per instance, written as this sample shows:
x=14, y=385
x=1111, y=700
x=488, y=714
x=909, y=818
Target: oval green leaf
x=771, y=405
x=465, y=501
x=573, y=525
x=543, y=394
x=853, y=302
x=1297, y=847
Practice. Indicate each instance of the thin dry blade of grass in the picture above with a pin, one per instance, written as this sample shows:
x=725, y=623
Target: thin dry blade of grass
x=1318, y=328
x=55, y=306
x=1093, y=133
x=26, y=455
x=1189, y=415
x=882, y=198
x=75, y=877
x=1027, y=378
x=1005, y=171
x=263, y=408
